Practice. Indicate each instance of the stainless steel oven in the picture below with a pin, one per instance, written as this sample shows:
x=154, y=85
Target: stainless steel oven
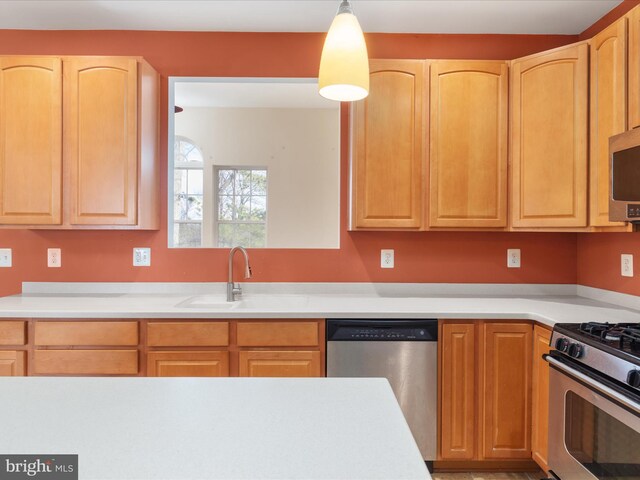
x=594, y=424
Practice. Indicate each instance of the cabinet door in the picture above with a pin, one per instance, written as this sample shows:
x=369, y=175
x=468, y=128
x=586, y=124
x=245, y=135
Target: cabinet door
x=458, y=391
x=30, y=140
x=506, y=406
x=549, y=138
x=12, y=364
x=540, y=397
x=188, y=364
x=608, y=113
x=101, y=139
x=388, y=162
x=634, y=68
x=265, y=363
x=468, y=144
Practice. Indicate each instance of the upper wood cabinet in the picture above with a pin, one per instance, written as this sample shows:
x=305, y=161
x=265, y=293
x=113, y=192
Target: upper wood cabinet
x=88, y=135
x=101, y=144
x=540, y=397
x=388, y=164
x=468, y=144
x=608, y=113
x=549, y=133
x=634, y=68
x=30, y=140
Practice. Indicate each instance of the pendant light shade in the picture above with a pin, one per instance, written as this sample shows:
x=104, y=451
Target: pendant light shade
x=344, y=65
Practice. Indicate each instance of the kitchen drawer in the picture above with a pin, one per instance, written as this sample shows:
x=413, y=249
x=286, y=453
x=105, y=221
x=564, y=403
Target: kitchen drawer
x=188, y=364
x=12, y=333
x=278, y=334
x=187, y=334
x=85, y=362
x=86, y=333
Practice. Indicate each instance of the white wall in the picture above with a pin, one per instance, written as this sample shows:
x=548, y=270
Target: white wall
x=300, y=149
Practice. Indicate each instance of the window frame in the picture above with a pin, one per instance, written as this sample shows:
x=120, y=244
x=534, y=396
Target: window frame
x=185, y=166
x=216, y=202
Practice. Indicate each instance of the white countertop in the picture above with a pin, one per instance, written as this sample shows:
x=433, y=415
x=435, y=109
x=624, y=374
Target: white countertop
x=213, y=428
x=400, y=301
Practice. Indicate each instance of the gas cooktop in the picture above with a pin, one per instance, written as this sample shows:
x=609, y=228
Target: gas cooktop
x=612, y=349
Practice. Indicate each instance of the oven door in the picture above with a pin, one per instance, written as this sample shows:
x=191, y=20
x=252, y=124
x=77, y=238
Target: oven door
x=594, y=430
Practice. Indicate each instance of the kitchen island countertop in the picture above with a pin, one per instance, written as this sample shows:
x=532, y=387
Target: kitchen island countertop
x=213, y=428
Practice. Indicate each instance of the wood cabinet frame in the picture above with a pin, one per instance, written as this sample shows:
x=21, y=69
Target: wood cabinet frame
x=140, y=209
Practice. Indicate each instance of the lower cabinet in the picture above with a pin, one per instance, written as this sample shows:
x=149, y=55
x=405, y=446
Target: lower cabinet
x=188, y=364
x=485, y=390
x=85, y=362
x=12, y=363
x=506, y=382
x=274, y=363
x=540, y=397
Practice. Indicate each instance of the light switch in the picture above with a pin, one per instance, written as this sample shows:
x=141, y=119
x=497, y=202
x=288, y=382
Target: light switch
x=141, y=257
x=5, y=257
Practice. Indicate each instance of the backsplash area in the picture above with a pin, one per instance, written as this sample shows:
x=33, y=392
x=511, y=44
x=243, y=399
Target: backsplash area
x=106, y=256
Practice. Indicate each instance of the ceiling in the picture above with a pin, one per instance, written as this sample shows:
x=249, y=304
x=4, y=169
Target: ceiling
x=403, y=16
x=259, y=93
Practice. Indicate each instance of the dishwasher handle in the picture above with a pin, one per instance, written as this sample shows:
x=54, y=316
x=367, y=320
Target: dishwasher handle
x=387, y=330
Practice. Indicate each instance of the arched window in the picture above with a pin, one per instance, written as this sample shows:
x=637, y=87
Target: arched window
x=187, y=193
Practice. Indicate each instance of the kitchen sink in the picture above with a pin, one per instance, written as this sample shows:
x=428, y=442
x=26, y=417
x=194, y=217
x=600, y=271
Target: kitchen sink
x=212, y=302
x=253, y=302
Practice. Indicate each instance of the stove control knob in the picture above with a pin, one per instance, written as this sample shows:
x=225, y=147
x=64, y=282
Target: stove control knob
x=576, y=350
x=633, y=378
x=562, y=344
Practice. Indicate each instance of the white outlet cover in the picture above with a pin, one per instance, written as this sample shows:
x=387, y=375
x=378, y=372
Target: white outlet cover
x=54, y=257
x=626, y=265
x=5, y=258
x=387, y=258
x=141, y=257
x=513, y=258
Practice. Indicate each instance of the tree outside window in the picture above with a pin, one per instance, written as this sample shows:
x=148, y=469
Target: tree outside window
x=241, y=198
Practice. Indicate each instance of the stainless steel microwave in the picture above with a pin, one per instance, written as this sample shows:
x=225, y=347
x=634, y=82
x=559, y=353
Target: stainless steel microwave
x=624, y=196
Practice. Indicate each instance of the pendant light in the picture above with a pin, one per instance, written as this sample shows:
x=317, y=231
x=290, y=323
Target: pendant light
x=344, y=65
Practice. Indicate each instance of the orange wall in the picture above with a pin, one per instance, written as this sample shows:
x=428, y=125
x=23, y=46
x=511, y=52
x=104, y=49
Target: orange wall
x=420, y=257
x=599, y=254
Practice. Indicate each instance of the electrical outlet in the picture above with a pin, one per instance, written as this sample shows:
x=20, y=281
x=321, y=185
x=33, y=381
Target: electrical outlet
x=386, y=258
x=141, y=257
x=5, y=257
x=54, y=257
x=513, y=258
x=626, y=265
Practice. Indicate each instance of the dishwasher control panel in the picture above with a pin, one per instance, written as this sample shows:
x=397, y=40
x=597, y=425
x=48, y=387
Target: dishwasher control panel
x=383, y=331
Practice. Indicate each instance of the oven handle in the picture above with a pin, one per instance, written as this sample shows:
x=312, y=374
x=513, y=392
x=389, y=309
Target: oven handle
x=593, y=384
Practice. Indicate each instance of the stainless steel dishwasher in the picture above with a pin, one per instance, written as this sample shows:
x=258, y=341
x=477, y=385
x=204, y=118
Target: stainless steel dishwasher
x=403, y=351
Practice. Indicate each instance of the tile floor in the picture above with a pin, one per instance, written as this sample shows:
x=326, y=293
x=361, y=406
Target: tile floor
x=488, y=476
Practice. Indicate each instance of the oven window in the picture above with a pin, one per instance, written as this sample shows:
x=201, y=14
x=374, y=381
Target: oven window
x=603, y=445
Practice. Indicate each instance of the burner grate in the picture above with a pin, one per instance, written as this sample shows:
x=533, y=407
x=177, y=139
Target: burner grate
x=607, y=332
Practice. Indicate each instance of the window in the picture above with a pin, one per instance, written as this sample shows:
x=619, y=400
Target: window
x=187, y=194
x=241, y=197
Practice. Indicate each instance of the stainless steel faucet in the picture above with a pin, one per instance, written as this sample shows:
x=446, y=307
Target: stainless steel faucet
x=232, y=288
